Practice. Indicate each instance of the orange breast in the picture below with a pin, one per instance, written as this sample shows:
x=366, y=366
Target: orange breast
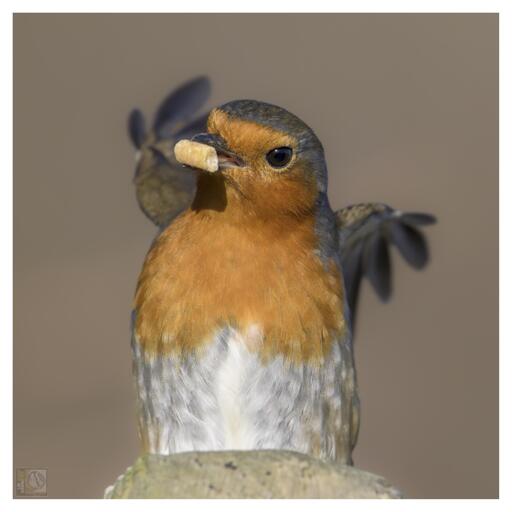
x=204, y=273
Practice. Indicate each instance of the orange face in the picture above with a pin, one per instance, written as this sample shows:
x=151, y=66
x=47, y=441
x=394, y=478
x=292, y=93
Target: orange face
x=264, y=188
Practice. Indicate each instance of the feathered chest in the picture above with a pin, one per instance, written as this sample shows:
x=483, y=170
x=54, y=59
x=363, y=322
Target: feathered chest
x=264, y=279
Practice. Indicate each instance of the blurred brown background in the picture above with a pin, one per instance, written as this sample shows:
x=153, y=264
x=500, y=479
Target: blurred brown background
x=407, y=109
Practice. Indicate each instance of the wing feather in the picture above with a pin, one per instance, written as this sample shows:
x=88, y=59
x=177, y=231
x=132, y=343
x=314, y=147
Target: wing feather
x=136, y=127
x=353, y=273
x=163, y=187
x=366, y=232
x=181, y=105
x=411, y=243
x=377, y=265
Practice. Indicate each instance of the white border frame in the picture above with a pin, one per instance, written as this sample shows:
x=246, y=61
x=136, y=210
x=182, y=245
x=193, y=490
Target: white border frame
x=504, y=8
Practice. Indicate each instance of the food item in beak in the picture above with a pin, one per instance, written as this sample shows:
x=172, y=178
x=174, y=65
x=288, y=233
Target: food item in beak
x=195, y=154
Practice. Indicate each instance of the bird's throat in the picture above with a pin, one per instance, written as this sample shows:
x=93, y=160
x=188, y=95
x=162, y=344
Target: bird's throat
x=211, y=193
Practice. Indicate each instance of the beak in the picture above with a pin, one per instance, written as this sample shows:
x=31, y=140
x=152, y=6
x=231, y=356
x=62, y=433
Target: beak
x=226, y=157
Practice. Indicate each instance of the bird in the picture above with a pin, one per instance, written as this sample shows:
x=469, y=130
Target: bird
x=244, y=310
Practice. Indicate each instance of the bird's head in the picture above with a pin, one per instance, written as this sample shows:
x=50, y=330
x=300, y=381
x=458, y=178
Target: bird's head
x=270, y=161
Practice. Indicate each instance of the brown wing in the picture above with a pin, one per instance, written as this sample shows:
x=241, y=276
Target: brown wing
x=163, y=187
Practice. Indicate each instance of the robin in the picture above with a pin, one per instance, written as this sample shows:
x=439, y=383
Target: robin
x=243, y=313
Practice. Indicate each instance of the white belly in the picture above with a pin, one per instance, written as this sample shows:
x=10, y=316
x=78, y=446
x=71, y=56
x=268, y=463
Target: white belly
x=228, y=399
x=230, y=387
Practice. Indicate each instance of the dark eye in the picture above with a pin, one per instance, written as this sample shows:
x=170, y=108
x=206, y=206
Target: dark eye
x=279, y=157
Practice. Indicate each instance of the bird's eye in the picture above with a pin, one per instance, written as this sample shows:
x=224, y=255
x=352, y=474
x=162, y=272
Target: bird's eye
x=279, y=157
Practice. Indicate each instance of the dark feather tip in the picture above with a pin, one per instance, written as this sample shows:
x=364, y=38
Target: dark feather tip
x=418, y=219
x=411, y=244
x=352, y=275
x=378, y=266
x=136, y=127
x=181, y=104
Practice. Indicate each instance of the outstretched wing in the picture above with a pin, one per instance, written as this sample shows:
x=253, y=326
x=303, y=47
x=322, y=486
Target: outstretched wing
x=180, y=106
x=163, y=187
x=365, y=233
